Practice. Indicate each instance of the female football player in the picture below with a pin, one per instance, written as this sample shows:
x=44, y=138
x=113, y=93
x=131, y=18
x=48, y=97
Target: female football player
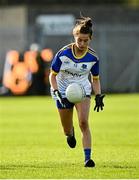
x=74, y=63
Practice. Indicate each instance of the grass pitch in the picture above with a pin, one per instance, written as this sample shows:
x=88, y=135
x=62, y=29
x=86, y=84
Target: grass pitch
x=32, y=144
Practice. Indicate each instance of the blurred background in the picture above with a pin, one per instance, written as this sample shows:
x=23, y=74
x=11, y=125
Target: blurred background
x=32, y=31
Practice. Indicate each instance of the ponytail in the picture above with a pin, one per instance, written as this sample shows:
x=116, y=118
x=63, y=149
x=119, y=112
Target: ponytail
x=84, y=26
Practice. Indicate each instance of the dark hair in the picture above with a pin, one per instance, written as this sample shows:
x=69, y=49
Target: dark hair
x=84, y=26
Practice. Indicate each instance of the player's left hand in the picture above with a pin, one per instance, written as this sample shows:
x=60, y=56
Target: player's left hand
x=99, y=102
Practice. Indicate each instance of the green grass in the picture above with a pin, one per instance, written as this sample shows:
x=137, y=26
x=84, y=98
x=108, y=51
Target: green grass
x=32, y=144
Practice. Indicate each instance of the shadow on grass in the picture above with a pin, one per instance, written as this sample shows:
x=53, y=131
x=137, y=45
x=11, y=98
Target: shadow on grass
x=119, y=166
x=38, y=166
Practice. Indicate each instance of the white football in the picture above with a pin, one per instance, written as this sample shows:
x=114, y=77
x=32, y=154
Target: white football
x=75, y=93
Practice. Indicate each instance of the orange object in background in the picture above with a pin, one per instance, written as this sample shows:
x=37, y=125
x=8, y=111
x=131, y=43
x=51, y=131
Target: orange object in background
x=19, y=73
x=18, y=78
x=12, y=57
x=20, y=70
x=47, y=55
x=8, y=79
x=19, y=86
x=31, y=61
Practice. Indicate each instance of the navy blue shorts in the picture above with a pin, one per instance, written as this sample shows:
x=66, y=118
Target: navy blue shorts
x=69, y=105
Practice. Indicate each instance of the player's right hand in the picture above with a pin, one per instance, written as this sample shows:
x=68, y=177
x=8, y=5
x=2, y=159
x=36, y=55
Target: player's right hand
x=59, y=97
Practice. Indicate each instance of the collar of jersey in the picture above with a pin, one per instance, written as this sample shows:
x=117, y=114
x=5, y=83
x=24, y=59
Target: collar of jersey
x=78, y=57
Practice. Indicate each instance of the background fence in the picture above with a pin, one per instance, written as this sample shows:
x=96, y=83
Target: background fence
x=117, y=45
x=118, y=48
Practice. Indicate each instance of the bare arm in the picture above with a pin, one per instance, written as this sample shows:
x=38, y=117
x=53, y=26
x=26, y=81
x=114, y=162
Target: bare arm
x=96, y=86
x=53, y=83
x=52, y=80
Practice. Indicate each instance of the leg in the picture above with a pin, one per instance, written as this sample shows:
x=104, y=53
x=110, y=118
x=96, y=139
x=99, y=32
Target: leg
x=83, y=114
x=66, y=116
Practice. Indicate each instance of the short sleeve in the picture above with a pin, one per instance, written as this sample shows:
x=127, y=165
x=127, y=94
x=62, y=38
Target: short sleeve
x=95, y=69
x=56, y=64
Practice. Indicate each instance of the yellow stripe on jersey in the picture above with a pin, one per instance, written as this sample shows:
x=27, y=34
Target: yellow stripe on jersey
x=78, y=57
x=65, y=47
x=53, y=72
x=92, y=52
x=95, y=77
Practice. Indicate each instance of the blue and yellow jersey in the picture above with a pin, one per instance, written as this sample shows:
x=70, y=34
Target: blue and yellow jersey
x=69, y=68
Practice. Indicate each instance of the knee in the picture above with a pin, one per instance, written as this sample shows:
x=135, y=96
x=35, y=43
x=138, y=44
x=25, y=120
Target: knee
x=83, y=125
